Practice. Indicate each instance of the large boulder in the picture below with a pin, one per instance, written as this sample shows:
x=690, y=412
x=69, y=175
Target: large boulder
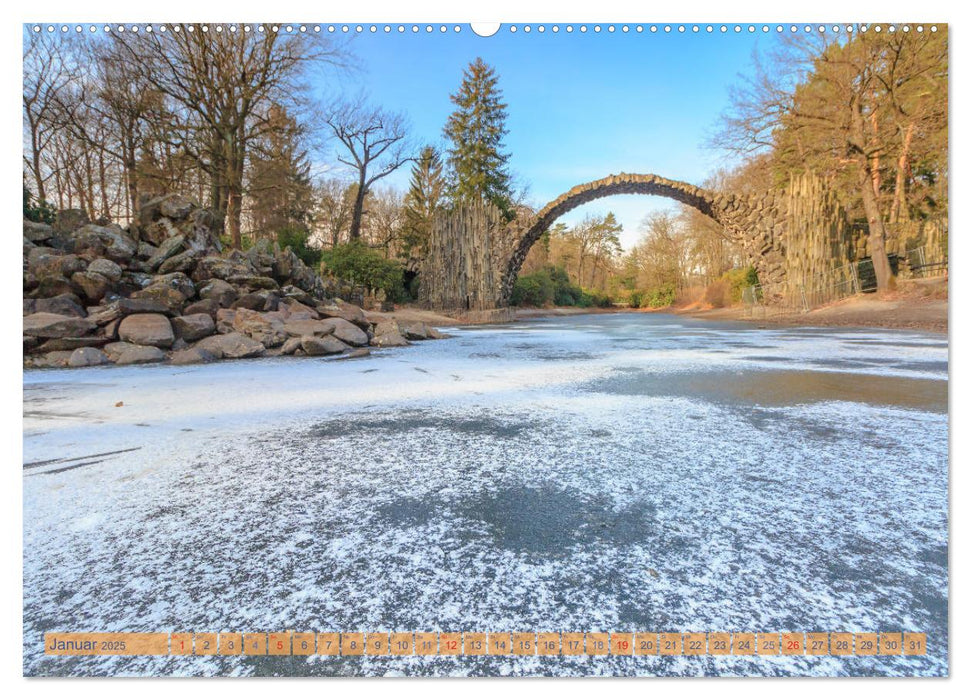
x=147, y=329
x=176, y=207
x=57, y=358
x=264, y=328
x=90, y=341
x=326, y=345
x=223, y=293
x=183, y=262
x=106, y=268
x=45, y=287
x=345, y=331
x=92, y=285
x=55, y=265
x=192, y=356
x=171, y=206
x=222, y=267
x=192, y=327
x=48, y=325
x=63, y=304
x=166, y=249
x=203, y=306
x=119, y=308
x=87, y=357
x=295, y=310
x=118, y=246
x=36, y=232
x=231, y=345
x=387, y=334
x=168, y=297
x=306, y=327
x=139, y=355
x=348, y=312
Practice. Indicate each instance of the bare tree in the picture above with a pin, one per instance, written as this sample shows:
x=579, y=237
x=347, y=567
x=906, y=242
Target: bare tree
x=221, y=85
x=374, y=145
x=46, y=74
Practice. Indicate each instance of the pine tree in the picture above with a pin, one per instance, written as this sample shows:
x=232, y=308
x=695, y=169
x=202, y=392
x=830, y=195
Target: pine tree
x=279, y=185
x=424, y=199
x=477, y=160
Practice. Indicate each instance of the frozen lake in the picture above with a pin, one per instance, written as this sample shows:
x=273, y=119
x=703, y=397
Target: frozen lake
x=623, y=472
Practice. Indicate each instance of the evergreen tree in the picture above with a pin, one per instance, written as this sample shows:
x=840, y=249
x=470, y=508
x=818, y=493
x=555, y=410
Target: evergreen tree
x=424, y=199
x=477, y=161
x=279, y=185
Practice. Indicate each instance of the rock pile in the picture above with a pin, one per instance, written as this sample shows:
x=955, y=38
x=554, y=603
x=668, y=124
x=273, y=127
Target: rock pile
x=164, y=289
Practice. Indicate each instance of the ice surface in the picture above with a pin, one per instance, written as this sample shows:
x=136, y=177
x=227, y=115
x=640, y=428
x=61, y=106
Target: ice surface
x=573, y=474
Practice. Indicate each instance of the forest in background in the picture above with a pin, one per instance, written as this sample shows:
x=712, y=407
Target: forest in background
x=225, y=116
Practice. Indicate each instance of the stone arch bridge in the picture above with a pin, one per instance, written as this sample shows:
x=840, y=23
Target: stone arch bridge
x=473, y=259
x=755, y=223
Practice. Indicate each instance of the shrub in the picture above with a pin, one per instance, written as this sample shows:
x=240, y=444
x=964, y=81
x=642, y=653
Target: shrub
x=536, y=289
x=358, y=264
x=552, y=285
x=298, y=240
x=654, y=298
x=728, y=288
x=41, y=211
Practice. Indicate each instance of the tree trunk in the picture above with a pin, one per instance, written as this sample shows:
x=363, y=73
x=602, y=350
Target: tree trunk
x=903, y=164
x=234, y=201
x=358, y=213
x=877, y=234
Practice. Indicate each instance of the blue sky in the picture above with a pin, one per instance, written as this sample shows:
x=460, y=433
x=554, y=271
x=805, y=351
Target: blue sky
x=581, y=106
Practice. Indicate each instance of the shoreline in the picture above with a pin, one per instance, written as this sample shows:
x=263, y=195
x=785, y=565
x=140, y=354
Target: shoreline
x=930, y=317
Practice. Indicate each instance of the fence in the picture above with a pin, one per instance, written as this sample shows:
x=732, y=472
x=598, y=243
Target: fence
x=839, y=283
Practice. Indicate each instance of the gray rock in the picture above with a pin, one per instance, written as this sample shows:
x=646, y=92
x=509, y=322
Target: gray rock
x=36, y=232
x=415, y=330
x=117, y=245
x=92, y=285
x=203, y=306
x=87, y=357
x=327, y=345
x=387, y=334
x=183, y=262
x=167, y=249
x=254, y=282
x=48, y=325
x=48, y=265
x=348, y=312
x=231, y=345
x=145, y=250
x=223, y=293
x=106, y=268
x=192, y=356
x=193, y=326
x=224, y=320
x=63, y=304
x=58, y=358
x=346, y=331
x=147, y=329
x=90, y=341
x=52, y=287
x=139, y=355
x=261, y=327
x=291, y=346
x=301, y=328
x=176, y=207
x=171, y=299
